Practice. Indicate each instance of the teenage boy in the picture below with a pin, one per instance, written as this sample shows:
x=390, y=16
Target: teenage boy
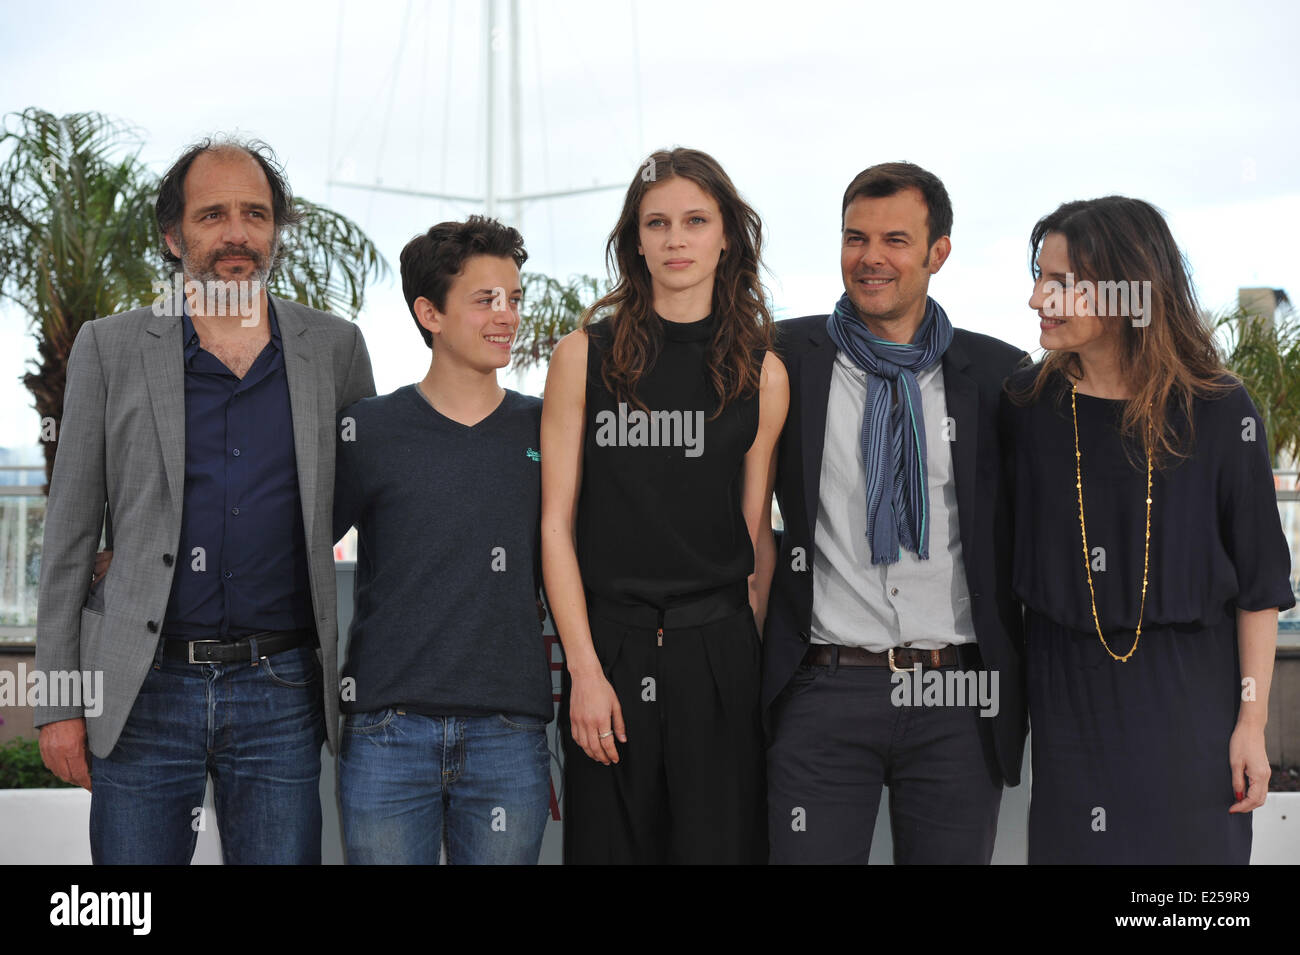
x=446, y=691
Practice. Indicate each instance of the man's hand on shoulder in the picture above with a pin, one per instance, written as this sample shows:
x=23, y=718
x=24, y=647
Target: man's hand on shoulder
x=63, y=749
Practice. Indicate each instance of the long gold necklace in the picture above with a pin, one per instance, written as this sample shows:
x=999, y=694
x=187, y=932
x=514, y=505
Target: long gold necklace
x=1083, y=528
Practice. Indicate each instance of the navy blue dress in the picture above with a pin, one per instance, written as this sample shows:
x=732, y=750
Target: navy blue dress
x=1130, y=760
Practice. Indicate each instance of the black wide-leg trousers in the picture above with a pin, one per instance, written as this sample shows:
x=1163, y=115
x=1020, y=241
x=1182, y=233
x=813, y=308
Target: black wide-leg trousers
x=689, y=785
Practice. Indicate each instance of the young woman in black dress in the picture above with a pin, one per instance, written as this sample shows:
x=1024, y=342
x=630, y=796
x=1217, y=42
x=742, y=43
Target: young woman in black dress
x=659, y=431
x=1149, y=555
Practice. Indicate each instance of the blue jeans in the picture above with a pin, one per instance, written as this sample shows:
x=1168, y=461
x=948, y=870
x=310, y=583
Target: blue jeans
x=407, y=781
x=257, y=729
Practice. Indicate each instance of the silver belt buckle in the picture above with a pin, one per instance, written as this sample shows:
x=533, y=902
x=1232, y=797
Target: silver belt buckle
x=891, y=663
x=192, y=644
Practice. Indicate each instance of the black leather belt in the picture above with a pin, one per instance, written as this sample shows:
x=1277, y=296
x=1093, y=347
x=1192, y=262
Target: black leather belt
x=711, y=606
x=241, y=651
x=964, y=655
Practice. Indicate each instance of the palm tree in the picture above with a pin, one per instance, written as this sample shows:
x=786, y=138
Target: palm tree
x=1265, y=355
x=327, y=261
x=78, y=240
x=551, y=309
x=76, y=236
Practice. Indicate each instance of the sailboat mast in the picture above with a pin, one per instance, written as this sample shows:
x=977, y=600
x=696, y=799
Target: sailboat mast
x=516, y=137
x=489, y=66
x=515, y=198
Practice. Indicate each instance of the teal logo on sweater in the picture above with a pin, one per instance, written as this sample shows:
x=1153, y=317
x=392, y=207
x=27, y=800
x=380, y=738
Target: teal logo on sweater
x=534, y=455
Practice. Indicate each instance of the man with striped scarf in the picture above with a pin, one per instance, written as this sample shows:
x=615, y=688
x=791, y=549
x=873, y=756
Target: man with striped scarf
x=895, y=558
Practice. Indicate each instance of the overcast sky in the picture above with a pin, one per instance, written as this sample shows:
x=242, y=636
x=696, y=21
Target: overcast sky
x=1016, y=106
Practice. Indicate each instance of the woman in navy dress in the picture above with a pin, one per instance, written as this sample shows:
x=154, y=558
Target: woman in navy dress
x=1149, y=555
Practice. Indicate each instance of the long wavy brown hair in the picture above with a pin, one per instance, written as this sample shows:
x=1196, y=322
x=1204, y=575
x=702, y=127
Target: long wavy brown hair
x=744, y=326
x=1169, y=361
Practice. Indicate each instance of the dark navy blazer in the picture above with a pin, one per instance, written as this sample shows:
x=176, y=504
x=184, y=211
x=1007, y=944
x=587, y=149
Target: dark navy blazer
x=974, y=368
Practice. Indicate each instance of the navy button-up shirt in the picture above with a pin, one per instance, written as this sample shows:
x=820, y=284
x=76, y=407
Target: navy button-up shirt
x=242, y=560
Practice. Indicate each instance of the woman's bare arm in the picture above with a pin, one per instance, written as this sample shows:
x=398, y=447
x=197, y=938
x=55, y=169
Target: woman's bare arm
x=760, y=478
x=593, y=705
x=1257, y=647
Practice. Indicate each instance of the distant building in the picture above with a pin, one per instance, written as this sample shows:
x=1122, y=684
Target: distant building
x=1264, y=303
x=1268, y=304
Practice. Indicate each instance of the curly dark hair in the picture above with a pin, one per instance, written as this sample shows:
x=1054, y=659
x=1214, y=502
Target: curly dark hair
x=431, y=261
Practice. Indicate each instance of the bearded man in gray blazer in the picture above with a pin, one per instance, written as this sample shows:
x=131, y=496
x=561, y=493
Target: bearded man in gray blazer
x=202, y=430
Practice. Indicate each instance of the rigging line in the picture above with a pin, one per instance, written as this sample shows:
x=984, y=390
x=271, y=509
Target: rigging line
x=334, y=108
x=369, y=111
x=544, y=151
x=636, y=76
x=424, y=100
x=388, y=112
x=593, y=83
x=446, y=97
x=481, y=133
x=392, y=89
x=516, y=96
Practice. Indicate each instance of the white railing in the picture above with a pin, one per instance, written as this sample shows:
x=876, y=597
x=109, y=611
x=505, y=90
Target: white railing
x=22, y=526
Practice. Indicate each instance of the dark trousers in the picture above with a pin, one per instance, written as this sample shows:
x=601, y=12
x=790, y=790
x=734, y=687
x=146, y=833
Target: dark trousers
x=838, y=737
x=688, y=787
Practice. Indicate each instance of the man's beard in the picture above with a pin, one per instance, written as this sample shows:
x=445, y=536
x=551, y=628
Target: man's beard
x=206, y=271
x=229, y=296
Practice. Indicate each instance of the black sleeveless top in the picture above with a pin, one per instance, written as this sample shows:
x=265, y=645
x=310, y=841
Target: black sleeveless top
x=659, y=518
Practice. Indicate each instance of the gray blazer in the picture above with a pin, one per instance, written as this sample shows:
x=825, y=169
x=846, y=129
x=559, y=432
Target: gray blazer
x=122, y=445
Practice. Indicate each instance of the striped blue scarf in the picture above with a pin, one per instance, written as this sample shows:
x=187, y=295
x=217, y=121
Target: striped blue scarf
x=893, y=438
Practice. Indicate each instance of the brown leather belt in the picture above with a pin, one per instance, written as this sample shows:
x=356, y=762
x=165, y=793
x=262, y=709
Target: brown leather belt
x=898, y=658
